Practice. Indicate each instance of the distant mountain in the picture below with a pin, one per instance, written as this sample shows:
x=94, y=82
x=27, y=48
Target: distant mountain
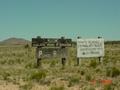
x=15, y=41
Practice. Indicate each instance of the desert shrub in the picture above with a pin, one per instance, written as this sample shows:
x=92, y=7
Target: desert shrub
x=93, y=63
x=27, y=86
x=73, y=80
x=30, y=65
x=92, y=88
x=108, y=72
x=88, y=87
x=27, y=46
x=82, y=72
x=98, y=70
x=88, y=77
x=38, y=75
x=46, y=82
x=3, y=62
x=11, y=61
x=13, y=54
x=53, y=63
x=6, y=75
x=57, y=88
x=106, y=60
x=19, y=60
x=108, y=87
x=113, y=72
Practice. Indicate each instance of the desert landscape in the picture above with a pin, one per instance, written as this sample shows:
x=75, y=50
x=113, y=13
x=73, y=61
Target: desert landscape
x=59, y=44
x=18, y=69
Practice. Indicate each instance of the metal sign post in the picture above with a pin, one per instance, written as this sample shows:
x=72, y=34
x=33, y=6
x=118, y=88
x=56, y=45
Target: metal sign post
x=78, y=59
x=90, y=48
x=101, y=57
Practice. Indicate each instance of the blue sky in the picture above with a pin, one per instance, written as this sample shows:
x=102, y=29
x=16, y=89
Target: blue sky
x=56, y=18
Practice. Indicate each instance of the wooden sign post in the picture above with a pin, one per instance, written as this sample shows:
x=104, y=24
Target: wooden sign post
x=51, y=42
x=39, y=55
x=78, y=59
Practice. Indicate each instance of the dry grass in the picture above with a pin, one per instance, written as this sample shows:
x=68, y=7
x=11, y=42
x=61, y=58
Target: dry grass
x=18, y=71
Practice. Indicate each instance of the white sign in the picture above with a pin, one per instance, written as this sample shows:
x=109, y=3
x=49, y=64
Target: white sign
x=90, y=47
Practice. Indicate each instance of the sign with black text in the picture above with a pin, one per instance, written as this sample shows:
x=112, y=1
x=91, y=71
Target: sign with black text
x=90, y=47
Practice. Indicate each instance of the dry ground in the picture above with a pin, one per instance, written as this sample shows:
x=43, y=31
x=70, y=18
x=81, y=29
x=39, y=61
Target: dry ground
x=18, y=71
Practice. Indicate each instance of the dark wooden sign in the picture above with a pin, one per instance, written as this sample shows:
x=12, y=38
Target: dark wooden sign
x=41, y=43
x=51, y=42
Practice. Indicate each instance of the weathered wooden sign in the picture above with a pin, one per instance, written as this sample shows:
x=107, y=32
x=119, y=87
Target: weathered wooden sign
x=42, y=43
x=90, y=47
x=51, y=42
